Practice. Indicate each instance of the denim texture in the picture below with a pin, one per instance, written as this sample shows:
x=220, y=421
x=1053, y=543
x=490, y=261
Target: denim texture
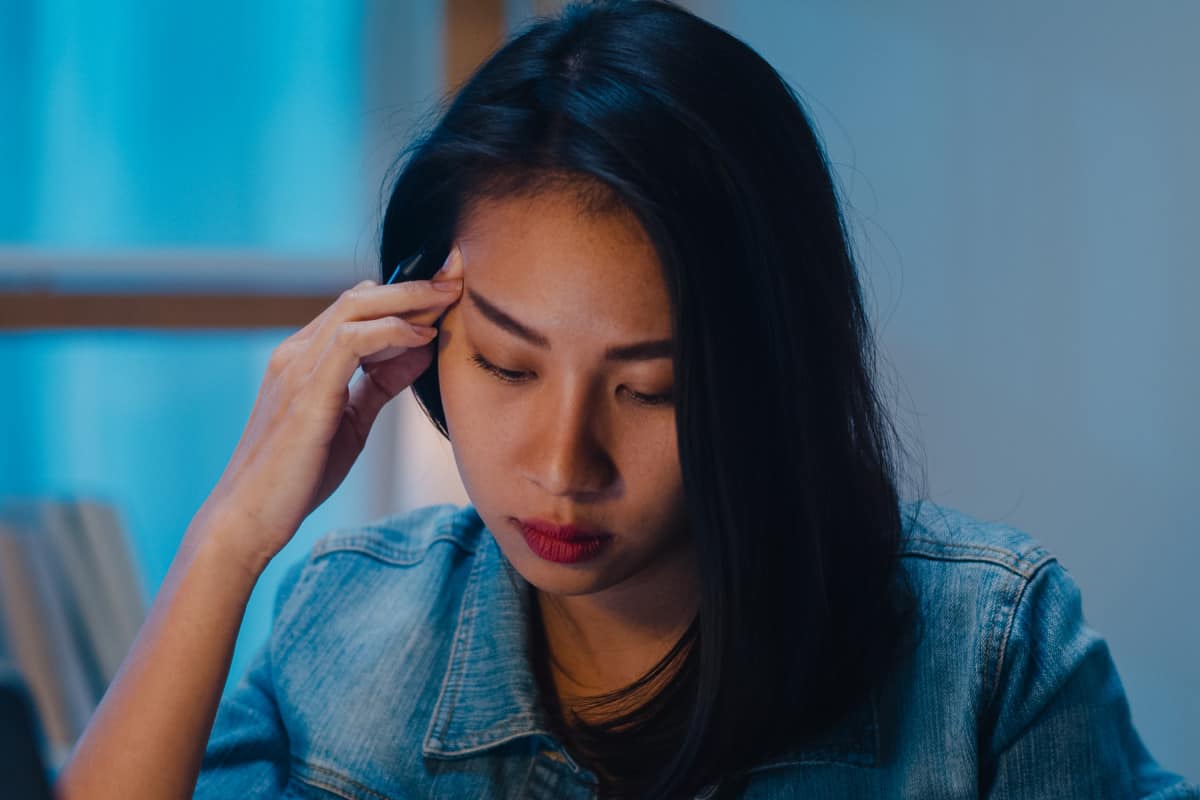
x=397, y=668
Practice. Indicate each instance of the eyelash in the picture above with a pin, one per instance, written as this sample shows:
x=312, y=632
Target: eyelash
x=509, y=376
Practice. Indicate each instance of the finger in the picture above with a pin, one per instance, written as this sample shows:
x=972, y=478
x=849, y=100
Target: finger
x=398, y=299
x=309, y=329
x=415, y=301
x=452, y=267
x=368, y=299
x=353, y=342
x=374, y=305
x=382, y=381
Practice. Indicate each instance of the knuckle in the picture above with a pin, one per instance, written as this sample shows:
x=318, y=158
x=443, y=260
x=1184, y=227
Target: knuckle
x=418, y=288
x=356, y=292
x=390, y=328
x=398, y=325
x=342, y=334
x=280, y=357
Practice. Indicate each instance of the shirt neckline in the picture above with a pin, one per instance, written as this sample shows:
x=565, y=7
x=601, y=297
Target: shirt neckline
x=489, y=695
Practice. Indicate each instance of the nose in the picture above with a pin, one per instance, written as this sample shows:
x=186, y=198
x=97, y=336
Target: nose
x=566, y=454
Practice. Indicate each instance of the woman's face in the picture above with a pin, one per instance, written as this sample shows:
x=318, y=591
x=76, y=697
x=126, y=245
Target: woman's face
x=569, y=440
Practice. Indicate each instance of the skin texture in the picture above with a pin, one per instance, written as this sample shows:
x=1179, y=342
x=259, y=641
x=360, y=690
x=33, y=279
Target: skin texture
x=568, y=442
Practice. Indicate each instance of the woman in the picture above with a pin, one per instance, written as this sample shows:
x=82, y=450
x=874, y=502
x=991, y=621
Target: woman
x=685, y=569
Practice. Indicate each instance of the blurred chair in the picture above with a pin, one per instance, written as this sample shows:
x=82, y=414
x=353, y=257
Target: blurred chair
x=70, y=606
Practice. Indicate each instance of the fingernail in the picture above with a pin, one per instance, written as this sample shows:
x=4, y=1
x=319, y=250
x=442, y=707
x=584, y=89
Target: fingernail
x=451, y=261
x=448, y=286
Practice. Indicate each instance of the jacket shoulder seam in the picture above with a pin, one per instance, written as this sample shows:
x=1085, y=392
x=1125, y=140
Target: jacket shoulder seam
x=1024, y=562
x=390, y=542
x=385, y=551
x=1006, y=635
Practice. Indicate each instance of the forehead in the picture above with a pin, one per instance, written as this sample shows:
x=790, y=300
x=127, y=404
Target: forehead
x=548, y=255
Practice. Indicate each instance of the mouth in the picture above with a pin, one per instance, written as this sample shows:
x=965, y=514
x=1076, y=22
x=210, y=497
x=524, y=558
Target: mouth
x=560, y=532
x=562, y=544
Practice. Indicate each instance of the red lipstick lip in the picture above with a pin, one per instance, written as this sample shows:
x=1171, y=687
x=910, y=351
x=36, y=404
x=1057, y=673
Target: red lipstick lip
x=562, y=544
x=563, y=533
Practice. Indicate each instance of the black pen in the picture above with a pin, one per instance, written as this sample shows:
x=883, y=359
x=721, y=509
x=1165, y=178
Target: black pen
x=407, y=266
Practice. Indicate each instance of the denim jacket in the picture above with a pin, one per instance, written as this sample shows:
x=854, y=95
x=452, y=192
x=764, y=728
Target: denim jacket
x=397, y=668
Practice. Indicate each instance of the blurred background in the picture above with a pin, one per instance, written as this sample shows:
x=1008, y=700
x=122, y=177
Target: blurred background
x=181, y=187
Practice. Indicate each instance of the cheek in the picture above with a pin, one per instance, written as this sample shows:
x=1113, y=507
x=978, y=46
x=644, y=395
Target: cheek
x=656, y=463
x=651, y=443
x=476, y=443
x=470, y=442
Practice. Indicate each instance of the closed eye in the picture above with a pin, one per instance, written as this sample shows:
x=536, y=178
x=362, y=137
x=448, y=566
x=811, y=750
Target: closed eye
x=505, y=375
x=512, y=376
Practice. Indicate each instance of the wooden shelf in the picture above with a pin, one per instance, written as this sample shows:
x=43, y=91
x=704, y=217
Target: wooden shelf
x=58, y=289
x=34, y=310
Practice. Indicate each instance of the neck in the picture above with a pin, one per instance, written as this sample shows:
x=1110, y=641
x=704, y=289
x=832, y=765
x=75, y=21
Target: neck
x=601, y=642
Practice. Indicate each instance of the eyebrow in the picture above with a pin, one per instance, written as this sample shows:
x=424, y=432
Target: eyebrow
x=638, y=351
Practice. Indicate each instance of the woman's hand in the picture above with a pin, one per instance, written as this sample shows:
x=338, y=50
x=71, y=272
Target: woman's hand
x=307, y=427
x=148, y=736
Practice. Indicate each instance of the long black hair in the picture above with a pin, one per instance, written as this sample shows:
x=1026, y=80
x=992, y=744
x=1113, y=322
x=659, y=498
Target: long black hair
x=788, y=454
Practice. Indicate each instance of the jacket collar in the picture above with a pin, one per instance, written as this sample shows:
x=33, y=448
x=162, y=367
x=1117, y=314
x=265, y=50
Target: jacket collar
x=489, y=694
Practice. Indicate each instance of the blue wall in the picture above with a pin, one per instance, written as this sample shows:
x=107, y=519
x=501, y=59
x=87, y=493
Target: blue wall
x=141, y=127
x=148, y=423
x=134, y=123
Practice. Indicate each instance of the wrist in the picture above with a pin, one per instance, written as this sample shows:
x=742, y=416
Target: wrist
x=228, y=536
